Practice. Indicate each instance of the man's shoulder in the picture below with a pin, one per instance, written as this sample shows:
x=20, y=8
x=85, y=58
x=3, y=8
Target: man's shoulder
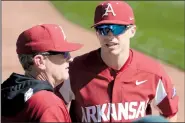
x=146, y=63
x=42, y=102
x=44, y=99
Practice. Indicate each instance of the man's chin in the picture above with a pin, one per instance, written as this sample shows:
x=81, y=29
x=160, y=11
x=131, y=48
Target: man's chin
x=114, y=51
x=59, y=81
x=65, y=77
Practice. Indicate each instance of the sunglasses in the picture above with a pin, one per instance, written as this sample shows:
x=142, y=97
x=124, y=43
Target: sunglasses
x=65, y=54
x=114, y=28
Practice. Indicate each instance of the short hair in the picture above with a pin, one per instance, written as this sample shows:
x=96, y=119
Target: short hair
x=26, y=61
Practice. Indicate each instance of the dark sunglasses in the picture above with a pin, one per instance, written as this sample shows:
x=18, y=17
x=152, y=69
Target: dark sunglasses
x=65, y=54
x=114, y=28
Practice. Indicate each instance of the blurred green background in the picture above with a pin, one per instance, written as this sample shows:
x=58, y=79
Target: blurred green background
x=160, y=26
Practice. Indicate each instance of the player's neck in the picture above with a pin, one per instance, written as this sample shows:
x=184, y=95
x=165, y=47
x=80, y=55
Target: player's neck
x=115, y=61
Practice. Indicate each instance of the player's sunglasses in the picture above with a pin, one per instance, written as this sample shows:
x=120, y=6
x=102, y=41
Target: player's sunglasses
x=65, y=54
x=114, y=28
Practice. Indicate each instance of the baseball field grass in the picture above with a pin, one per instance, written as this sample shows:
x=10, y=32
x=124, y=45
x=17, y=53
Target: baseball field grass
x=160, y=26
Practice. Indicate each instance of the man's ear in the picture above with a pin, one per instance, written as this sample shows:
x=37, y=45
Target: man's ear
x=132, y=31
x=39, y=62
x=97, y=34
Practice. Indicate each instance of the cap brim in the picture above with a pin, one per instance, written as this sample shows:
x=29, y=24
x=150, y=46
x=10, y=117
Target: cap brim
x=110, y=22
x=69, y=47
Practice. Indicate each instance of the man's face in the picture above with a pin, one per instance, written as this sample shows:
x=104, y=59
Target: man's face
x=114, y=38
x=56, y=66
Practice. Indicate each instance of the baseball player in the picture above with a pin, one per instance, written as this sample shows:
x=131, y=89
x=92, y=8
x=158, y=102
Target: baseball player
x=116, y=83
x=44, y=54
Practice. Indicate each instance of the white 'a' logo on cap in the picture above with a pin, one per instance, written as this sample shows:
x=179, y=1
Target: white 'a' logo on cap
x=63, y=32
x=109, y=9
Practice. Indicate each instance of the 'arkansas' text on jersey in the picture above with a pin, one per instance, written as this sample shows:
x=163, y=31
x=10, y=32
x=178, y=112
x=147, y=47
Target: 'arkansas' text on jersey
x=127, y=111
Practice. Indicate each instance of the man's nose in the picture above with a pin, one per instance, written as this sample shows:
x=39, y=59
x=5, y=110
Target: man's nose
x=110, y=33
x=110, y=36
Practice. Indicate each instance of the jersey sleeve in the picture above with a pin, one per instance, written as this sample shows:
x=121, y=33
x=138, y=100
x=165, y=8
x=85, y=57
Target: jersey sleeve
x=65, y=92
x=166, y=98
x=55, y=114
